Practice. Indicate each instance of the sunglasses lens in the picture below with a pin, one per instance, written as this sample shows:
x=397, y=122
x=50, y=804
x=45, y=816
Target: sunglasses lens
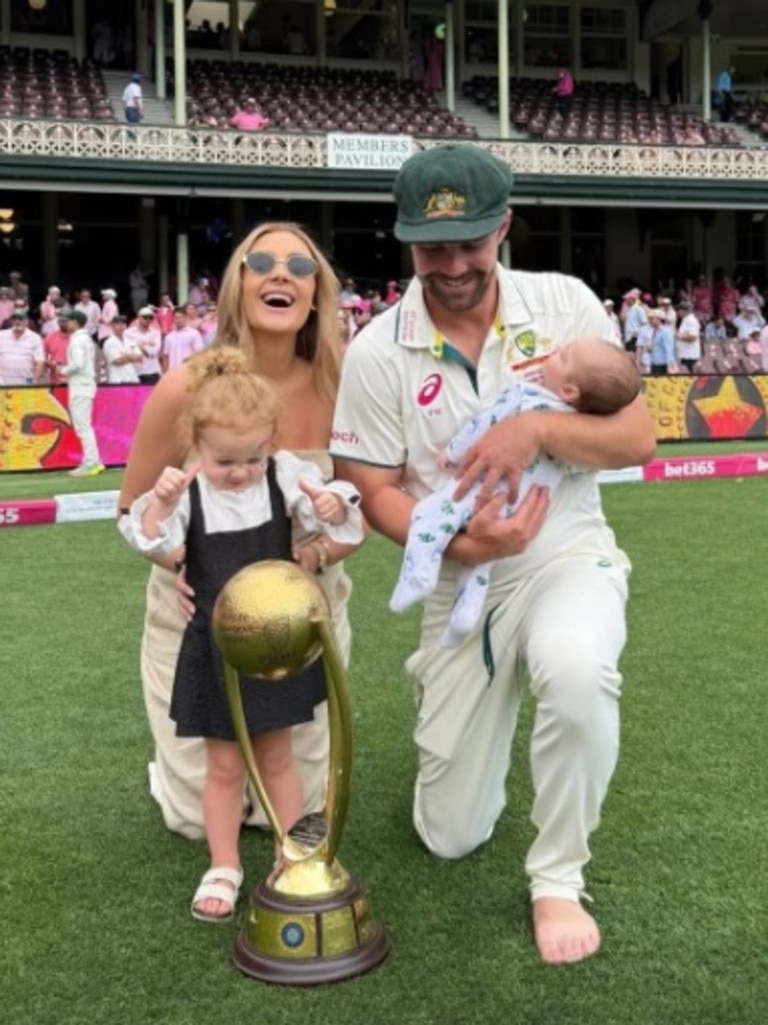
x=301, y=266
x=298, y=266
x=260, y=263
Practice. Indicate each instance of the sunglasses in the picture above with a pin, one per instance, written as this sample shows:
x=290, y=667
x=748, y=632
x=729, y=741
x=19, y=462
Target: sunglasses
x=297, y=266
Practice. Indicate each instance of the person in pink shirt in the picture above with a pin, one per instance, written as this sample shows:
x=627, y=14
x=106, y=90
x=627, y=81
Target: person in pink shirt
x=564, y=89
x=193, y=320
x=109, y=311
x=209, y=324
x=729, y=299
x=164, y=313
x=92, y=312
x=48, y=311
x=701, y=294
x=55, y=345
x=393, y=293
x=249, y=118
x=180, y=343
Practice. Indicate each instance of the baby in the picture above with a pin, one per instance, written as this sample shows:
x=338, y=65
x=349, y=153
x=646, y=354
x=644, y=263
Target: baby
x=588, y=375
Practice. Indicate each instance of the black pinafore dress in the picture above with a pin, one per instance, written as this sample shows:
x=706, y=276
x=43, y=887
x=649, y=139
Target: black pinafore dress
x=199, y=703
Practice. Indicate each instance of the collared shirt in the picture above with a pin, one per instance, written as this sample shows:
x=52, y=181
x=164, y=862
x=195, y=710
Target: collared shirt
x=120, y=373
x=92, y=310
x=405, y=392
x=20, y=357
x=180, y=344
x=636, y=317
x=663, y=347
x=150, y=343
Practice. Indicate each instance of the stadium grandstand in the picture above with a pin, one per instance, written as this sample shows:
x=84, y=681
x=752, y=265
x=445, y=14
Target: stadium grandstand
x=642, y=177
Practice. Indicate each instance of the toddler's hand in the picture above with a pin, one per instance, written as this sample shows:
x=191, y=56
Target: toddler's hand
x=172, y=483
x=444, y=461
x=328, y=507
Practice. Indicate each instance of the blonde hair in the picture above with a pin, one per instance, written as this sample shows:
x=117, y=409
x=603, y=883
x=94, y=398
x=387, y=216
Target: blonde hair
x=316, y=340
x=607, y=377
x=225, y=392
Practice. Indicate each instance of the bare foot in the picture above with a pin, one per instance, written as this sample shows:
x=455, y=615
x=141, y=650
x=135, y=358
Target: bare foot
x=565, y=932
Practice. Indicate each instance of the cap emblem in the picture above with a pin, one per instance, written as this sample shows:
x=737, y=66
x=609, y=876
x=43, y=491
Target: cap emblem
x=445, y=203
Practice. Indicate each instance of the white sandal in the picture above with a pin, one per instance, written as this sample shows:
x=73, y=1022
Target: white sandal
x=218, y=884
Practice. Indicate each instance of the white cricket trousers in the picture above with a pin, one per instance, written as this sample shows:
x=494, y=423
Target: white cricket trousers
x=80, y=409
x=179, y=771
x=566, y=624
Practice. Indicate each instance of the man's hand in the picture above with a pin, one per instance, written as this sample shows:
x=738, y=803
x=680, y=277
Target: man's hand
x=490, y=536
x=502, y=453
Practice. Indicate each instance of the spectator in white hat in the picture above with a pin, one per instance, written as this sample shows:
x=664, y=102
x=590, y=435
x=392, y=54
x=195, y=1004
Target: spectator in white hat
x=636, y=317
x=146, y=336
x=613, y=317
x=47, y=311
x=109, y=311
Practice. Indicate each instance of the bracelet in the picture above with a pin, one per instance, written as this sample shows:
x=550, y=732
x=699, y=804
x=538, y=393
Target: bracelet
x=321, y=548
x=178, y=566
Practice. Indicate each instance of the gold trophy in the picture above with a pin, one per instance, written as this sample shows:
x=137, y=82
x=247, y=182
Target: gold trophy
x=310, y=921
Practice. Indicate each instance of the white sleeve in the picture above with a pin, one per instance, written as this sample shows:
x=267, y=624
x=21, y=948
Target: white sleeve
x=368, y=423
x=291, y=470
x=173, y=530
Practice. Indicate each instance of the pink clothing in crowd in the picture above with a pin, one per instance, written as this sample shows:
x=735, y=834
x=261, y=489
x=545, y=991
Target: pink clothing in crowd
x=179, y=345
x=248, y=121
x=565, y=84
x=108, y=313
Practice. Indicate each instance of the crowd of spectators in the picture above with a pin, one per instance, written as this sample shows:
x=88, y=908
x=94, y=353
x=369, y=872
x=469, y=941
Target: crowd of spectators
x=703, y=328
x=134, y=342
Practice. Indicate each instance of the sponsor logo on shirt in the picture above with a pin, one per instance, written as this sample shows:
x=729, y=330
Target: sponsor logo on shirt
x=345, y=437
x=428, y=393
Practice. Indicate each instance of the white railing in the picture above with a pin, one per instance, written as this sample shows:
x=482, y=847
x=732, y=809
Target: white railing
x=292, y=150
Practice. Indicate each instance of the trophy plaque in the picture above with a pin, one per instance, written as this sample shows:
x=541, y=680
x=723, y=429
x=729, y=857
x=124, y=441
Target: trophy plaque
x=309, y=921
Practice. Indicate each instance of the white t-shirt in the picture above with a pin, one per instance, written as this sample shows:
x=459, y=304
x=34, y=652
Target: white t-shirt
x=402, y=398
x=121, y=373
x=690, y=324
x=132, y=95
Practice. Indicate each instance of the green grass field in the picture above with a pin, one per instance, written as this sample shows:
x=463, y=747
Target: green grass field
x=95, y=892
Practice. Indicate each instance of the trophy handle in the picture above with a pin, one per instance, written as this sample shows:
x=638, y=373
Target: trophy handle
x=340, y=755
x=327, y=841
x=232, y=683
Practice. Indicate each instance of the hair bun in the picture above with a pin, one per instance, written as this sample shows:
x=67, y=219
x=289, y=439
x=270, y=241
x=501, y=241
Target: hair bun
x=219, y=361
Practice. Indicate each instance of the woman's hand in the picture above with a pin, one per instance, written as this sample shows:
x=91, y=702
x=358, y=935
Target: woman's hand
x=307, y=557
x=184, y=595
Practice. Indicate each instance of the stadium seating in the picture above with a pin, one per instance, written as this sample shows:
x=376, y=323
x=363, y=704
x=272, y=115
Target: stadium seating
x=601, y=112
x=51, y=84
x=317, y=99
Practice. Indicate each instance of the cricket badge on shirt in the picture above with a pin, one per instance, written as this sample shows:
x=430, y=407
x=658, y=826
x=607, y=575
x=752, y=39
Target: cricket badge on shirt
x=525, y=354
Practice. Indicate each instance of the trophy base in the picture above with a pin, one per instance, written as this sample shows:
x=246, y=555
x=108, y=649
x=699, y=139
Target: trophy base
x=305, y=941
